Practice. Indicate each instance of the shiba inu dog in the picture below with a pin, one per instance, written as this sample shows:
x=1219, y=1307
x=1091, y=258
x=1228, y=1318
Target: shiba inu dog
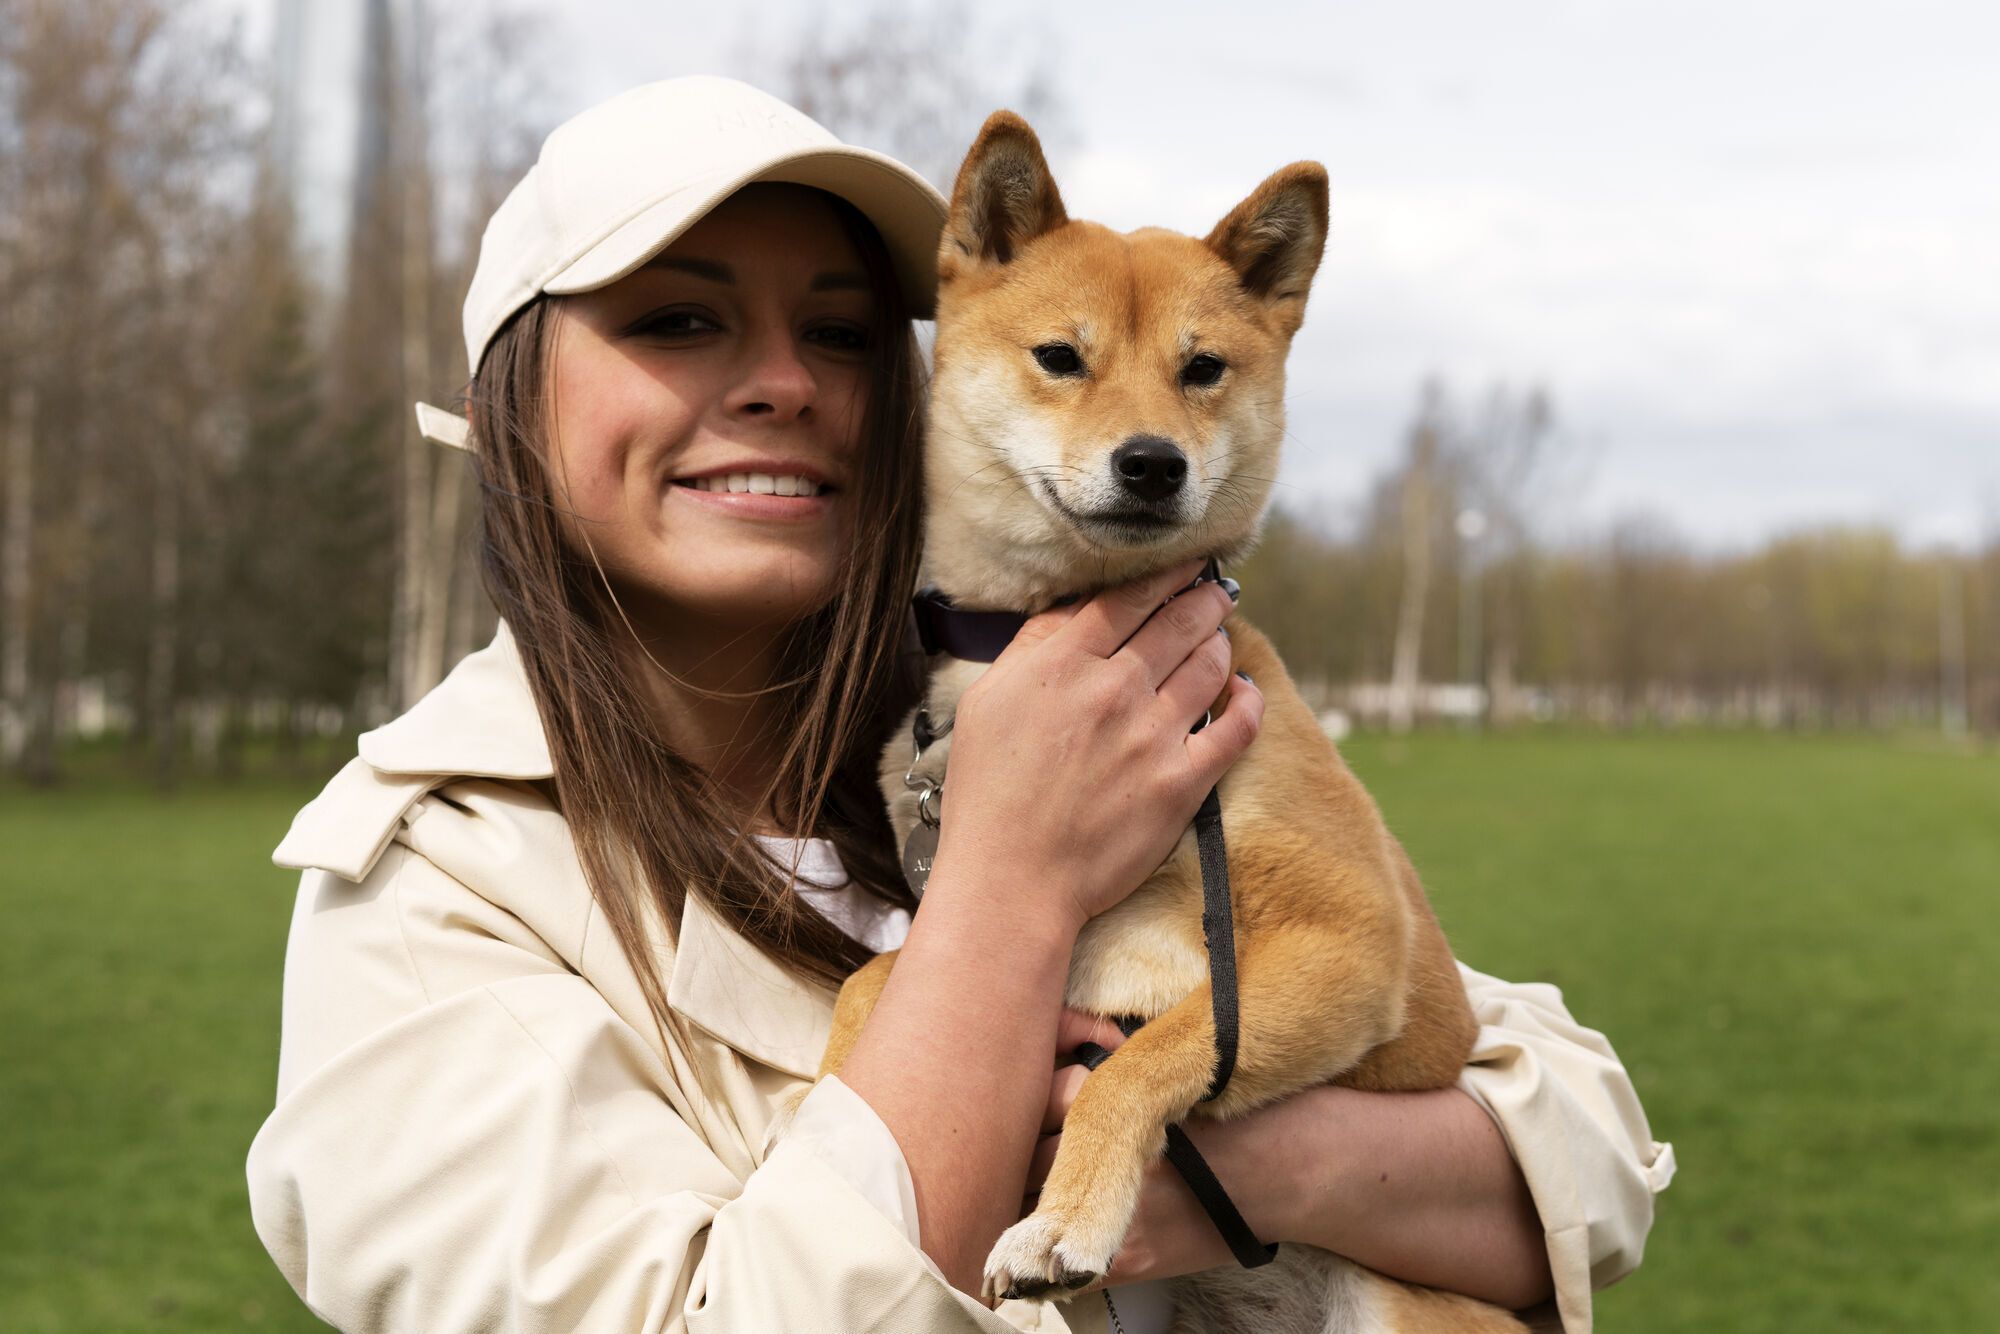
x=1104, y=406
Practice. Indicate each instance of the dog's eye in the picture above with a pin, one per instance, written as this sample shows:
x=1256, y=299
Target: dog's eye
x=1059, y=359
x=1203, y=369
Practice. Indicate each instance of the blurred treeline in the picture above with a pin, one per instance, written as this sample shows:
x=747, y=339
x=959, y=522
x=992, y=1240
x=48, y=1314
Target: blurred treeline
x=218, y=520
x=1448, y=578
x=217, y=523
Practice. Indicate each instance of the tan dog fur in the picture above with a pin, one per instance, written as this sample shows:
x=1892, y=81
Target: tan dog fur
x=1344, y=974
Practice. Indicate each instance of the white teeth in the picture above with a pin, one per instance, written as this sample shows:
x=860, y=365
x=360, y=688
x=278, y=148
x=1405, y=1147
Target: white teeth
x=758, y=483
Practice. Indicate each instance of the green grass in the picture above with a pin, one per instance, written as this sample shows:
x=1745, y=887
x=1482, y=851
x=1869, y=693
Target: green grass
x=1792, y=943
x=139, y=986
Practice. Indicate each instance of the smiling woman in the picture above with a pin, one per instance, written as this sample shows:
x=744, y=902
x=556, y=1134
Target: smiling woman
x=564, y=955
x=709, y=408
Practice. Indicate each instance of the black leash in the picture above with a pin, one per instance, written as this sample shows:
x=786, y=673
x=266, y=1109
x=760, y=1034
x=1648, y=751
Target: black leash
x=981, y=636
x=1218, y=930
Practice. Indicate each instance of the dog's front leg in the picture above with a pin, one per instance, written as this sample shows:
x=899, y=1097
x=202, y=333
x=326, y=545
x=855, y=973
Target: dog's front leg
x=1118, y=1122
x=1114, y=1128
x=850, y=1012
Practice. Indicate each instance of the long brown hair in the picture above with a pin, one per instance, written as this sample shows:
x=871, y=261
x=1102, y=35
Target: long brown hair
x=648, y=824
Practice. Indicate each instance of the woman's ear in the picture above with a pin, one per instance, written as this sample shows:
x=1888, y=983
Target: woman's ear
x=1003, y=199
x=1274, y=238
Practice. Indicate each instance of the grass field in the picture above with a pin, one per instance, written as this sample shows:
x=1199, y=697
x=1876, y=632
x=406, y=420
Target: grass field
x=1792, y=942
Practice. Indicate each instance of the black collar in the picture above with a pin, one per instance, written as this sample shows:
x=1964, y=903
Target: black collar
x=970, y=636
x=980, y=636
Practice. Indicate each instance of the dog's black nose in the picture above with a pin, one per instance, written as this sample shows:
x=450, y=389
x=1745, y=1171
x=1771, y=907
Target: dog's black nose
x=1149, y=467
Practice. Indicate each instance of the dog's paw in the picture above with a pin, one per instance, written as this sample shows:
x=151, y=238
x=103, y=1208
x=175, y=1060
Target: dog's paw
x=1044, y=1255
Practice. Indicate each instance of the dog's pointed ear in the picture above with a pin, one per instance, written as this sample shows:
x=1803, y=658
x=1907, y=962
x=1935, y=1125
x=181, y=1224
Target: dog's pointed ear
x=1274, y=238
x=1004, y=197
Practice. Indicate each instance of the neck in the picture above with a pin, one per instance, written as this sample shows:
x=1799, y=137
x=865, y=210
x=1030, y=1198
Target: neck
x=706, y=685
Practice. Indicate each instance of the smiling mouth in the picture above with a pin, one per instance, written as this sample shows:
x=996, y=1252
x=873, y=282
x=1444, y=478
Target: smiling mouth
x=1129, y=524
x=756, y=484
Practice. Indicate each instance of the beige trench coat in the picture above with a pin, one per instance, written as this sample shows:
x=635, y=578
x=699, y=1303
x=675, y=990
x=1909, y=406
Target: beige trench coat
x=478, y=1126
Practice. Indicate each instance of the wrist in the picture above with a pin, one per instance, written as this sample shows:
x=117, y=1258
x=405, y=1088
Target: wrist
x=1309, y=1147
x=1287, y=1156
x=975, y=889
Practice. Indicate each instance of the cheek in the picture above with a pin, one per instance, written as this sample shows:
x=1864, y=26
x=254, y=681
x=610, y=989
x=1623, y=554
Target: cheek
x=600, y=421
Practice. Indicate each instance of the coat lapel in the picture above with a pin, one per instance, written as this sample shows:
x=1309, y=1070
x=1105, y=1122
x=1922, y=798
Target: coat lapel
x=732, y=990
x=482, y=722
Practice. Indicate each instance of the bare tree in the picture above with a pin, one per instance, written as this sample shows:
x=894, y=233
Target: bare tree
x=1504, y=458
x=1420, y=488
x=458, y=123
x=915, y=81
x=120, y=119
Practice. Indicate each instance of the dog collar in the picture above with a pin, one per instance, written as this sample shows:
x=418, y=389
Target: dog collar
x=981, y=636
x=970, y=636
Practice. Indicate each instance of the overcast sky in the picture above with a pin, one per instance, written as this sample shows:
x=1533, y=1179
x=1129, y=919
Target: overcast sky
x=1752, y=249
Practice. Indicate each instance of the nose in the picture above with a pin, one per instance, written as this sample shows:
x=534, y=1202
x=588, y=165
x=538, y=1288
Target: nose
x=775, y=383
x=1149, y=466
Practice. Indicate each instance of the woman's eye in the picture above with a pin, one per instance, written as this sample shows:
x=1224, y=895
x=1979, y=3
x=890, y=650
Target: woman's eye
x=1059, y=359
x=840, y=337
x=1202, y=370
x=673, y=324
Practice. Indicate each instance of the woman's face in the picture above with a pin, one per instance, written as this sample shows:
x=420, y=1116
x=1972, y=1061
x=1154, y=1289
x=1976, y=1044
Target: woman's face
x=707, y=414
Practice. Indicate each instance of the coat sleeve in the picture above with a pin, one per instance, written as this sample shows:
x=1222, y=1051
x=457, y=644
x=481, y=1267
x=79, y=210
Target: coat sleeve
x=469, y=1137
x=1573, y=1121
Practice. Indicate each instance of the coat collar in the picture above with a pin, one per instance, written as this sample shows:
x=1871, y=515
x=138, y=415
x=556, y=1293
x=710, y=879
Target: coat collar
x=481, y=722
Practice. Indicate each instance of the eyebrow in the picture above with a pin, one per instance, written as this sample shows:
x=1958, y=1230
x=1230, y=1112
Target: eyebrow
x=715, y=271
x=842, y=281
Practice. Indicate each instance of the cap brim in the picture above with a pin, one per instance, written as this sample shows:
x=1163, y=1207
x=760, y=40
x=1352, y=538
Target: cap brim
x=905, y=208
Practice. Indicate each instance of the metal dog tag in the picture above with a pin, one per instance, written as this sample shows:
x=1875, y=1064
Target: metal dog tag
x=918, y=851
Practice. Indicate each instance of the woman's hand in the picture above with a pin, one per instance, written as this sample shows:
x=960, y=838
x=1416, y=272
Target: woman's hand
x=1072, y=774
x=1072, y=769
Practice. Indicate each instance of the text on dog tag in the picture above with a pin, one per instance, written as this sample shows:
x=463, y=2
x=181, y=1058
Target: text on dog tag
x=918, y=850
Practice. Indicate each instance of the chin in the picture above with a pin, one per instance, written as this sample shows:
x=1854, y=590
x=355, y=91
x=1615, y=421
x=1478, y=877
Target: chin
x=770, y=589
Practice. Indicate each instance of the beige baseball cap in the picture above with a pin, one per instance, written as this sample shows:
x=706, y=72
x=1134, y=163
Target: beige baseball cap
x=617, y=184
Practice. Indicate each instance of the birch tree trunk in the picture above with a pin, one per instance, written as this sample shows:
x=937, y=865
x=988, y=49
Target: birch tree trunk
x=434, y=610
x=164, y=631
x=429, y=494
x=17, y=575
x=1407, y=660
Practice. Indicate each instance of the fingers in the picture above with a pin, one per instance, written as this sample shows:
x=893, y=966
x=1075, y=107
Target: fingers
x=1197, y=680
x=1076, y=1028
x=1215, y=747
x=1101, y=625
x=1178, y=629
x=1044, y=624
x=1062, y=1093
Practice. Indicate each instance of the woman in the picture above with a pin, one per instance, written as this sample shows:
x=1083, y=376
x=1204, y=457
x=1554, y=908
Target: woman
x=569, y=929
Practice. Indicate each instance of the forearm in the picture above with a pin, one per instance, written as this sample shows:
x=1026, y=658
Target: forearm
x=1419, y=1186
x=964, y=1107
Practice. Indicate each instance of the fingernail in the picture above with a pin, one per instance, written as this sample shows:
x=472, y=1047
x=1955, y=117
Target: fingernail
x=1223, y=631
x=1234, y=589
x=1246, y=677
